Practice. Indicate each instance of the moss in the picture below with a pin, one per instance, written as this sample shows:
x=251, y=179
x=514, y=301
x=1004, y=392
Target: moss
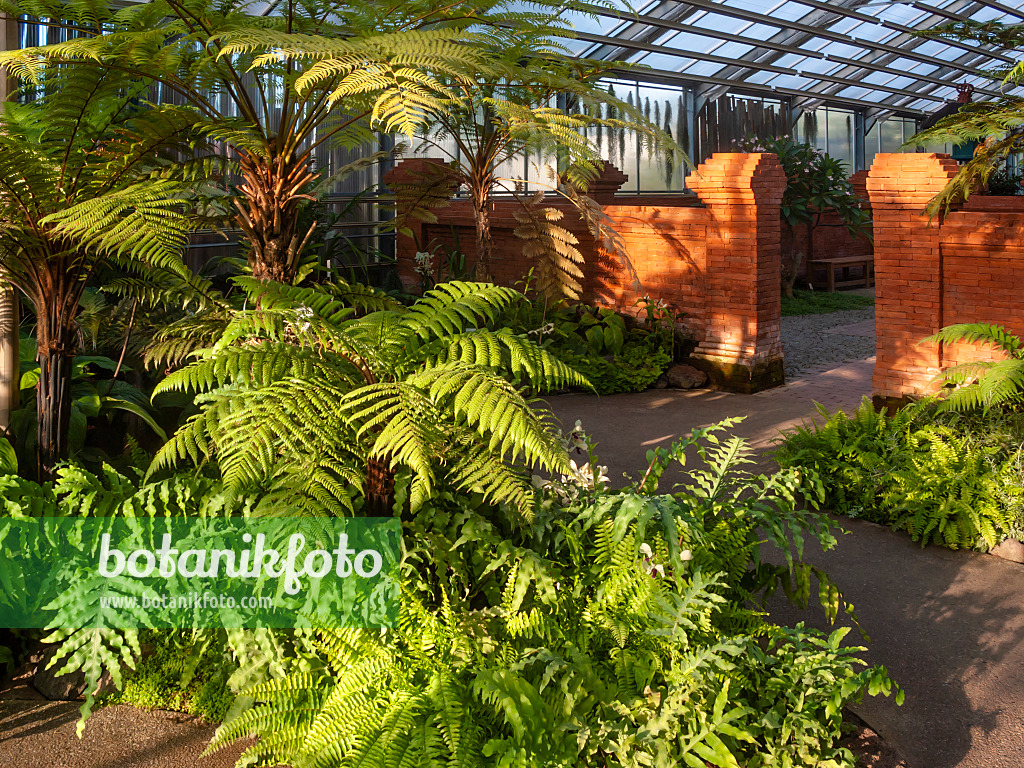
x=165, y=679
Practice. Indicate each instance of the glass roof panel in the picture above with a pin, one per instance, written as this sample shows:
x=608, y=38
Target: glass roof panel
x=674, y=63
x=879, y=61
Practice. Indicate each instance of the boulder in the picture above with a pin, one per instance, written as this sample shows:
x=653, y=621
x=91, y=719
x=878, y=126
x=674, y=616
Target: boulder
x=685, y=376
x=1011, y=549
x=70, y=687
x=64, y=688
x=662, y=382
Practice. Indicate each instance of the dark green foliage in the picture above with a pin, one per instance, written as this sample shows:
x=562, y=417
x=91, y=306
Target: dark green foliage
x=820, y=303
x=96, y=401
x=1005, y=182
x=637, y=367
x=817, y=184
x=611, y=631
x=599, y=344
x=944, y=479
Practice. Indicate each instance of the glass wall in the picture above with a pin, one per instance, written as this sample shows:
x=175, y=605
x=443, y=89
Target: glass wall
x=889, y=136
x=831, y=130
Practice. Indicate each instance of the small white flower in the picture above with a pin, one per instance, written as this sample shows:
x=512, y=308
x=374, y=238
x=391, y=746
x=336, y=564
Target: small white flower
x=424, y=263
x=686, y=555
x=302, y=317
x=645, y=550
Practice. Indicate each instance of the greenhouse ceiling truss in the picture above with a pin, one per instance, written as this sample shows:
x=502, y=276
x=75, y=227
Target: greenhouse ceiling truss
x=860, y=54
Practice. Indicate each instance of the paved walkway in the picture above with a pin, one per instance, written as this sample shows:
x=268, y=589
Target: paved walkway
x=948, y=625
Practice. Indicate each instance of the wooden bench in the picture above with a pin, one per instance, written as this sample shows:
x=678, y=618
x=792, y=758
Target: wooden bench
x=843, y=264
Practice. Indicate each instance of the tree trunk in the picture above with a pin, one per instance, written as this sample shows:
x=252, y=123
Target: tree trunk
x=380, y=488
x=53, y=399
x=10, y=386
x=268, y=217
x=481, y=196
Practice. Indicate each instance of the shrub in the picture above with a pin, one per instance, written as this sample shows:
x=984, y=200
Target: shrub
x=613, y=629
x=596, y=342
x=944, y=479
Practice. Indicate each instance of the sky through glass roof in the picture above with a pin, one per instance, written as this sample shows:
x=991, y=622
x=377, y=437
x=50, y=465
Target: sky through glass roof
x=855, y=53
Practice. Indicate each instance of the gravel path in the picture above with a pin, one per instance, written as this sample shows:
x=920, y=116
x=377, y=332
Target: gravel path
x=809, y=344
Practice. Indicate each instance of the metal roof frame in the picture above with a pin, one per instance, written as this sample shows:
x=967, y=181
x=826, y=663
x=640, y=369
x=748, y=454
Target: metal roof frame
x=883, y=32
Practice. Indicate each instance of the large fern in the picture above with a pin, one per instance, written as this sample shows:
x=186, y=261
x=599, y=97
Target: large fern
x=590, y=635
x=982, y=384
x=302, y=393
x=86, y=181
x=277, y=85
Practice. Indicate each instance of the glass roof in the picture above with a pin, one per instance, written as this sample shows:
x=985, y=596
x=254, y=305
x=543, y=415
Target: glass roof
x=856, y=53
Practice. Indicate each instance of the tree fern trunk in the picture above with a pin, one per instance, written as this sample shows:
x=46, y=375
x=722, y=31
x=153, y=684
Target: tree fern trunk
x=482, y=220
x=380, y=488
x=268, y=217
x=53, y=399
x=9, y=365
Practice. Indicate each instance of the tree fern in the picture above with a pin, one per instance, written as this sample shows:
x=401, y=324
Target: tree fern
x=84, y=184
x=305, y=391
x=277, y=86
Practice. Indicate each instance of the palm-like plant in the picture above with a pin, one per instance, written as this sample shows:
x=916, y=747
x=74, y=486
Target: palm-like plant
x=316, y=400
x=541, y=109
x=982, y=384
x=995, y=124
x=231, y=61
x=84, y=181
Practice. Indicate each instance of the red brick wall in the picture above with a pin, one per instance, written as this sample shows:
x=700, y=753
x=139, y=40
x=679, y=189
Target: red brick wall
x=718, y=263
x=965, y=267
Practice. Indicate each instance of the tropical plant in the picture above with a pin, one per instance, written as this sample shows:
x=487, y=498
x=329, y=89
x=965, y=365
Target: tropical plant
x=982, y=384
x=611, y=629
x=85, y=180
x=1005, y=182
x=817, y=186
x=91, y=398
x=275, y=86
x=994, y=125
x=489, y=124
x=596, y=342
x=924, y=470
x=317, y=404
x=77, y=621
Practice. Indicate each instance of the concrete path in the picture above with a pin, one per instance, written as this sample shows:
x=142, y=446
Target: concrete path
x=627, y=426
x=949, y=626
x=41, y=734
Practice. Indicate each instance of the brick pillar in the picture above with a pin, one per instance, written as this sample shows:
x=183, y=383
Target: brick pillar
x=607, y=183
x=908, y=270
x=742, y=346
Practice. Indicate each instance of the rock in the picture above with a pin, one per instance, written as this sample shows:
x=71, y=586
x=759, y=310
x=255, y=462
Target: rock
x=662, y=382
x=685, y=377
x=68, y=687
x=1011, y=549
